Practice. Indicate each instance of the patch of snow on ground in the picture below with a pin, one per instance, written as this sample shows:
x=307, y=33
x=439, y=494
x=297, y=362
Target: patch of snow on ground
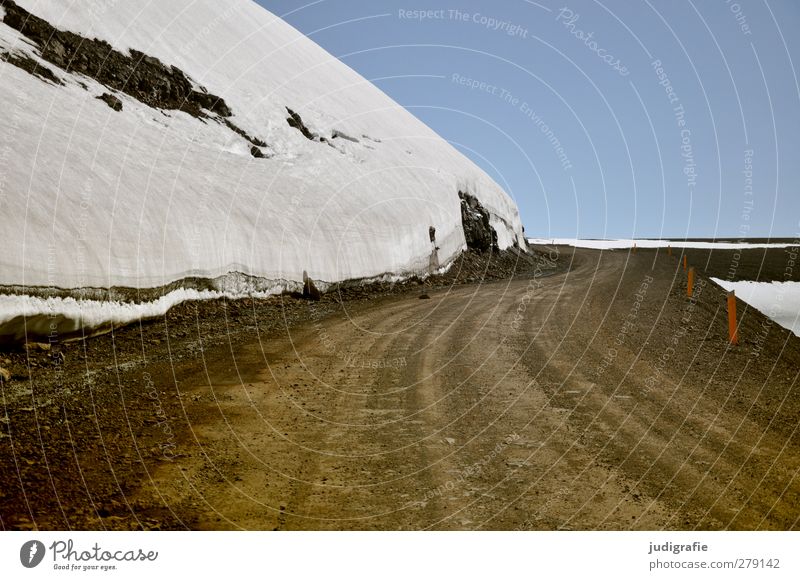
x=620, y=244
x=778, y=300
x=25, y=316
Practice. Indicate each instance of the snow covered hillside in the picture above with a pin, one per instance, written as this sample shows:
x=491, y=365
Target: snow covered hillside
x=147, y=142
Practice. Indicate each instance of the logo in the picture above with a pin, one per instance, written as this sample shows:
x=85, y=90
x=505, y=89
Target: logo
x=31, y=553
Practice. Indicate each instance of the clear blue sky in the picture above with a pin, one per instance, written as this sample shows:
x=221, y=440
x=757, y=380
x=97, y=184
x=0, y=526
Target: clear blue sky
x=575, y=120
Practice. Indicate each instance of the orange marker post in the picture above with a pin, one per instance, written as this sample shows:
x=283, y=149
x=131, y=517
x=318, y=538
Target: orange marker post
x=669, y=250
x=685, y=262
x=733, y=334
x=690, y=282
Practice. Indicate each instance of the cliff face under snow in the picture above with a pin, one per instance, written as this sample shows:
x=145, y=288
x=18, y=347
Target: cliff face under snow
x=145, y=142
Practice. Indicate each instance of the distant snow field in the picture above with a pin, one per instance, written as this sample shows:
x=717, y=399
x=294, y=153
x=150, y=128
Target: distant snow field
x=620, y=244
x=778, y=300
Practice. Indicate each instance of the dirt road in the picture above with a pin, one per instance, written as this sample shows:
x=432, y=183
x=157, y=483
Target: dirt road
x=598, y=398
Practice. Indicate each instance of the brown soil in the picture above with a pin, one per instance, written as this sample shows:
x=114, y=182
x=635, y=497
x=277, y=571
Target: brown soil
x=758, y=264
x=595, y=397
x=761, y=264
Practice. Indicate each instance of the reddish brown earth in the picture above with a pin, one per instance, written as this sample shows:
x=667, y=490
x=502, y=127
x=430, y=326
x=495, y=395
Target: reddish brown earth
x=597, y=396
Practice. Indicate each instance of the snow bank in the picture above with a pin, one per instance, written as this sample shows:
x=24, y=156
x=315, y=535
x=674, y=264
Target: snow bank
x=24, y=317
x=620, y=244
x=141, y=198
x=778, y=300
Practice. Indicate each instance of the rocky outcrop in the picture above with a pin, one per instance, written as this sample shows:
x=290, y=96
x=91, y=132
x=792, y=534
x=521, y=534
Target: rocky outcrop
x=478, y=232
x=111, y=101
x=296, y=122
x=143, y=77
x=253, y=140
x=31, y=66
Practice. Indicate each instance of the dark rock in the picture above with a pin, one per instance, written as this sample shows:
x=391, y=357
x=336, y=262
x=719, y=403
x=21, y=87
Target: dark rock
x=209, y=102
x=310, y=291
x=424, y=297
x=31, y=66
x=340, y=135
x=257, y=153
x=111, y=101
x=478, y=233
x=296, y=121
x=143, y=77
x=254, y=140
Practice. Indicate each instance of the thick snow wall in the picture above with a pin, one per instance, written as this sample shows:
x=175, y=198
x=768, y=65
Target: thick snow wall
x=142, y=197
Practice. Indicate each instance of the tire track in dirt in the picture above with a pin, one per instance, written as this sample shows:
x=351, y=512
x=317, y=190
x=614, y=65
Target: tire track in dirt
x=470, y=411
